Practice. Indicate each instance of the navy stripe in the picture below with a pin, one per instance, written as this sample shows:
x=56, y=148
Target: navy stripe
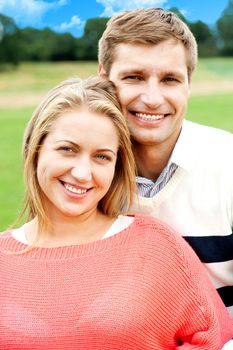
x=226, y=293
x=212, y=249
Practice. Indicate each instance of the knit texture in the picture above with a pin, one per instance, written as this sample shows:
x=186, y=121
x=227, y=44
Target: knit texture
x=142, y=288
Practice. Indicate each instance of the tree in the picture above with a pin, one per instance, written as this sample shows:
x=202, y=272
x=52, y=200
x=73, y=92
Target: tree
x=47, y=45
x=204, y=37
x=9, y=41
x=225, y=29
x=88, y=45
x=64, y=48
x=179, y=14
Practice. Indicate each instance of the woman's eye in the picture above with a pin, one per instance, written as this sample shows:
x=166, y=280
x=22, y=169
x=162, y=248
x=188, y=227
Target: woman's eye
x=66, y=149
x=102, y=157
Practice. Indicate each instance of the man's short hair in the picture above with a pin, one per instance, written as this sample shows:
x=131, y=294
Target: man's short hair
x=149, y=27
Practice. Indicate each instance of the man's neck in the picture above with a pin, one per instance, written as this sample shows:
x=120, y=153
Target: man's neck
x=151, y=160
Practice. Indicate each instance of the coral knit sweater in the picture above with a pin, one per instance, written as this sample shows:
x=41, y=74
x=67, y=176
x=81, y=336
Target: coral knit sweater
x=140, y=289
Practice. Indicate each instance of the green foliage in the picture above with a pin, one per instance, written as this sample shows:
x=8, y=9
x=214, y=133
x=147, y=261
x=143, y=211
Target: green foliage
x=31, y=44
x=225, y=28
x=205, y=38
x=46, y=45
x=179, y=14
x=64, y=48
x=88, y=45
x=9, y=41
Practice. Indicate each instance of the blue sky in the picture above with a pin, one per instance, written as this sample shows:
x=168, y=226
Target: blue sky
x=71, y=15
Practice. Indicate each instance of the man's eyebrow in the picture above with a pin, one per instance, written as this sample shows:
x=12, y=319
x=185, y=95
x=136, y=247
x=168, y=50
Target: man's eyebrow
x=173, y=73
x=130, y=71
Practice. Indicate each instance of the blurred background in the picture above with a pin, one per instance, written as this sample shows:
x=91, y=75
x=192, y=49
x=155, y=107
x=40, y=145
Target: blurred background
x=39, y=49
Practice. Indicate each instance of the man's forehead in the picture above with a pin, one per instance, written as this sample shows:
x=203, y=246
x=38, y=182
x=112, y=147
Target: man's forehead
x=125, y=48
x=142, y=59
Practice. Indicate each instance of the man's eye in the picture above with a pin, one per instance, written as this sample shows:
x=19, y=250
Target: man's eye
x=133, y=77
x=170, y=79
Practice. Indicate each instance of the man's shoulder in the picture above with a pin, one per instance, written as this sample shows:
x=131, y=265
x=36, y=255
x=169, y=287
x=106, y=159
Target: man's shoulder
x=204, y=147
x=209, y=139
x=206, y=131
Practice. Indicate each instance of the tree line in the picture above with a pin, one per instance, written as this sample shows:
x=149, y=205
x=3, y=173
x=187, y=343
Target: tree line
x=30, y=44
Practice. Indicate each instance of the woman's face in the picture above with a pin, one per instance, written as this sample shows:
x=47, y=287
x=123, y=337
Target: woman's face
x=76, y=163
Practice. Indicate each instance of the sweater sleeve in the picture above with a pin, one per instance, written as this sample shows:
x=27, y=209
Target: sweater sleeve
x=201, y=320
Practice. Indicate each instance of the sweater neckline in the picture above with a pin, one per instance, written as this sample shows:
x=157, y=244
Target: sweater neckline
x=11, y=245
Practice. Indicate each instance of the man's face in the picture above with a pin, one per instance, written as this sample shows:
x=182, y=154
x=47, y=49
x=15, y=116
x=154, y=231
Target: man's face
x=153, y=88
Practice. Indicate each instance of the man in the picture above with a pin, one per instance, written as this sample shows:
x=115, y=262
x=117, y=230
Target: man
x=185, y=170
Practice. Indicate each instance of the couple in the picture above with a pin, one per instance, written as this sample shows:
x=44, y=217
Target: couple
x=81, y=273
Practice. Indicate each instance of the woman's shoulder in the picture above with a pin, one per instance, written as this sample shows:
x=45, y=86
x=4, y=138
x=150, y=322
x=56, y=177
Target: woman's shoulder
x=6, y=238
x=5, y=234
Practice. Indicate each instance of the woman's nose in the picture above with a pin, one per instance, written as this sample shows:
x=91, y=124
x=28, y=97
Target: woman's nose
x=82, y=171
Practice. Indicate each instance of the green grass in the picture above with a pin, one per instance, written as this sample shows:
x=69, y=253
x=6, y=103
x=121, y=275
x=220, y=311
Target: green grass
x=214, y=69
x=42, y=76
x=213, y=109
x=11, y=192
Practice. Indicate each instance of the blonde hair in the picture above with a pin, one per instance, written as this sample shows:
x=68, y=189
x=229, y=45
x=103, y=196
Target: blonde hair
x=149, y=27
x=98, y=95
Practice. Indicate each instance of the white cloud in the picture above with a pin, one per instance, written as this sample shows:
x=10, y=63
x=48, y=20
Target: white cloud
x=28, y=12
x=184, y=12
x=74, y=23
x=113, y=6
x=62, y=2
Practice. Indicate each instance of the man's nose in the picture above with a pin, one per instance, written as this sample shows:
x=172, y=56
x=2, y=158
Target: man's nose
x=152, y=95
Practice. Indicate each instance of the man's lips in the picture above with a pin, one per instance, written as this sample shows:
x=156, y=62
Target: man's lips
x=149, y=116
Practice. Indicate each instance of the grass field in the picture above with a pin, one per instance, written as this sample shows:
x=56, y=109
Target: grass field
x=211, y=103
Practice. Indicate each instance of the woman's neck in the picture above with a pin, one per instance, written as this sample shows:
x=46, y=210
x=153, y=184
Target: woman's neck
x=69, y=230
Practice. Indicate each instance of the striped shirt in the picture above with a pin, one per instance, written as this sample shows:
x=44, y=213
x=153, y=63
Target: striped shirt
x=197, y=200
x=147, y=188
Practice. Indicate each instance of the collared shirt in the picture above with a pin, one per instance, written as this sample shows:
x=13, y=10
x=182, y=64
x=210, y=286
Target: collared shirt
x=197, y=201
x=148, y=188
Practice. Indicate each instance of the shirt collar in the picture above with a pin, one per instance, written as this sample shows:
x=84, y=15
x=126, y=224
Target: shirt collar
x=186, y=150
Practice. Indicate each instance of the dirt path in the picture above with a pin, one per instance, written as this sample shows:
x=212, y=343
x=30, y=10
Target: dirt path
x=208, y=88
x=28, y=99
x=20, y=100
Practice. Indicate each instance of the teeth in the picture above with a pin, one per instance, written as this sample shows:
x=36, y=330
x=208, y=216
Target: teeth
x=74, y=189
x=149, y=116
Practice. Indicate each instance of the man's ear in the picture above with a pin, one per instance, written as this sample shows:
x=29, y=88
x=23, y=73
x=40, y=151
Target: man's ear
x=101, y=71
x=190, y=84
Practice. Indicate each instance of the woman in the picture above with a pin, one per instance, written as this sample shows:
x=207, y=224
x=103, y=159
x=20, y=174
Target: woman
x=80, y=274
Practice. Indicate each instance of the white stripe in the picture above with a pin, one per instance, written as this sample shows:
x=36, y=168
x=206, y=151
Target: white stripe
x=148, y=188
x=223, y=270
x=228, y=345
